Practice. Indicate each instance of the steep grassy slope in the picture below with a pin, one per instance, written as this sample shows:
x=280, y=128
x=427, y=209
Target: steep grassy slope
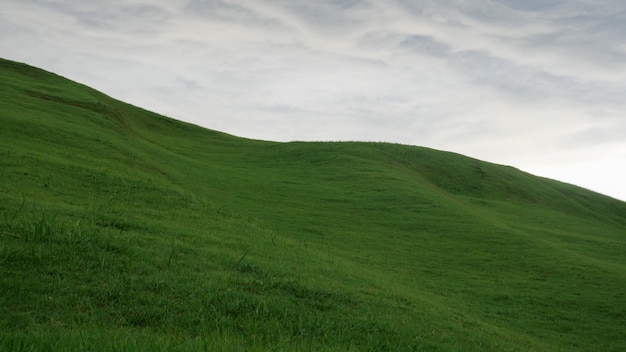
x=122, y=229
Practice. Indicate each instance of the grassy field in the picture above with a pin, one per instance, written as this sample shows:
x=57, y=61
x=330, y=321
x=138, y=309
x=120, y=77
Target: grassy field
x=121, y=229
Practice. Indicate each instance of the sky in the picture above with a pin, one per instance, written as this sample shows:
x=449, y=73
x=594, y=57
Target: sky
x=536, y=84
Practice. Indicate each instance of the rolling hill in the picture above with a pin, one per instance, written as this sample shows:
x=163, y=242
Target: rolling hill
x=121, y=229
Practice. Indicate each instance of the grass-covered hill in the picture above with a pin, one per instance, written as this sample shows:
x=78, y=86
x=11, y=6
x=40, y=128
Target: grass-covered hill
x=121, y=229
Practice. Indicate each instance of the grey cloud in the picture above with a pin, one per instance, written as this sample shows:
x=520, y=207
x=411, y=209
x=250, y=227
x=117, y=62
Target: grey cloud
x=345, y=4
x=325, y=4
x=584, y=35
x=458, y=12
x=136, y=16
x=219, y=9
x=531, y=5
x=587, y=35
x=105, y=15
x=426, y=45
x=493, y=13
x=532, y=83
x=380, y=41
x=583, y=30
x=330, y=17
x=227, y=11
x=502, y=75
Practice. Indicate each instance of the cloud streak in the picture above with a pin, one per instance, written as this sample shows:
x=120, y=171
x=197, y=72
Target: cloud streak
x=536, y=84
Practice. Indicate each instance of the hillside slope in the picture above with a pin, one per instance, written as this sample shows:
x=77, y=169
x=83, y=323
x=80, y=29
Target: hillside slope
x=124, y=229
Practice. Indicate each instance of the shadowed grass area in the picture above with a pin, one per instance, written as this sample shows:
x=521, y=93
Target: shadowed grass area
x=121, y=229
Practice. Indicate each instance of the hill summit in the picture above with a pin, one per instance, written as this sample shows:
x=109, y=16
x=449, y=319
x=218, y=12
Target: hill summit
x=124, y=229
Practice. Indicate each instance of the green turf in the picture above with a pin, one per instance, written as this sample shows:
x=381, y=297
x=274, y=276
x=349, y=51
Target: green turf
x=121, y=229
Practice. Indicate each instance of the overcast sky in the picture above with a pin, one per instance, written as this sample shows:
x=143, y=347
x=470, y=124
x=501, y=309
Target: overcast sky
x=536, y=84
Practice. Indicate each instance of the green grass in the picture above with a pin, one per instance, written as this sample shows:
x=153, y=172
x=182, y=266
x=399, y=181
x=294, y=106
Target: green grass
x=121, y=229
